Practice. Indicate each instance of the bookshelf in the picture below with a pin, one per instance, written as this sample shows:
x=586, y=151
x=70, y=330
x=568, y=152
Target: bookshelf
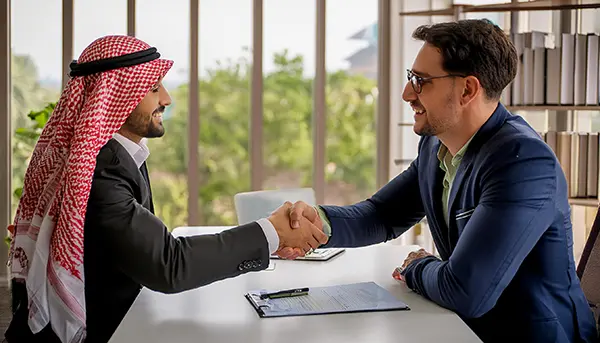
x=441, y=12
x=584, y=202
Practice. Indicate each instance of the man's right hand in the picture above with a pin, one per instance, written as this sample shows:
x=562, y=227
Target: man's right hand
x=305, y=237
x=301, y=210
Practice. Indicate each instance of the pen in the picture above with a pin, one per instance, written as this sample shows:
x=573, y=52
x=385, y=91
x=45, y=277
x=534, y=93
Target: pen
x=286, y=293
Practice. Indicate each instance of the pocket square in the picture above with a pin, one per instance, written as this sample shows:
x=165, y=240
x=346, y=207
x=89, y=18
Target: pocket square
x=465, y=214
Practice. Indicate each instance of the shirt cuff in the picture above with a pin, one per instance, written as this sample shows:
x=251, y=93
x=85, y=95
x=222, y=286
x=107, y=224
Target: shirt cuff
x=324, y=220
x=270, y=234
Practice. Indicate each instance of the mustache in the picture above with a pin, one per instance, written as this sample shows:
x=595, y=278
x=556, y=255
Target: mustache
x=160, y=109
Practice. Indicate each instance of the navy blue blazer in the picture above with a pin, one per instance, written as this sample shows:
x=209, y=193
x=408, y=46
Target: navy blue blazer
x=507, y=265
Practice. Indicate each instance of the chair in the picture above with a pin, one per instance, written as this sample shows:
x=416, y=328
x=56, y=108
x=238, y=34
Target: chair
x=588, y=269
x=251, y=206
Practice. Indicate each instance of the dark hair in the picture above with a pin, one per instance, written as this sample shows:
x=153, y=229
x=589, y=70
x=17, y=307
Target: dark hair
x=474, y=47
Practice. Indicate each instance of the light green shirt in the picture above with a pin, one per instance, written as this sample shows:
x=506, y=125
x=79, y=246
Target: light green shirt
x=449, y=165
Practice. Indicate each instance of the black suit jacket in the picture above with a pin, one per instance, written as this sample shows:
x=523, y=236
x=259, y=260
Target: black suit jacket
x=126, y=247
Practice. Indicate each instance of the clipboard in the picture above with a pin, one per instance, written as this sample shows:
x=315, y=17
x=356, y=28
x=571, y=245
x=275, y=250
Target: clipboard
x=321, y=254
x=350, y=298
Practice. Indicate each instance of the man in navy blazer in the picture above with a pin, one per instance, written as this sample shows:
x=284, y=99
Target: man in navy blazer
x=493, y=192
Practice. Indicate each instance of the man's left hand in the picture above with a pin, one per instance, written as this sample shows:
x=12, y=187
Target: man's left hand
x=414, y=255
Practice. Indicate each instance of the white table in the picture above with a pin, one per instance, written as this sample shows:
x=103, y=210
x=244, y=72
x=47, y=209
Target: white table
x=220, y=313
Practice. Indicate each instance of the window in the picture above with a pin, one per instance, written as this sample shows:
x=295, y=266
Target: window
x=288, y=72
x=93, y=19
x=225, y=52
x=351, y=99
x=36, y=69
x=167, y=29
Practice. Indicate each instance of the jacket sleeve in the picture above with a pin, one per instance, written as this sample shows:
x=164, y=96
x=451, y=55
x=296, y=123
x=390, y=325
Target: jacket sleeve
x=391, y=211
x=141, y=247
x=516, y=207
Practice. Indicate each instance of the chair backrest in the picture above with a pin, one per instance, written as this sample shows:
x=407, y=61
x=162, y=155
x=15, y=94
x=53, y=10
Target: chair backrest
x=588, y=269
x=251, y=206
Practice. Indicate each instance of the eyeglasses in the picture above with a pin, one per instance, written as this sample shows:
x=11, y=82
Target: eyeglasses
x=417, y=81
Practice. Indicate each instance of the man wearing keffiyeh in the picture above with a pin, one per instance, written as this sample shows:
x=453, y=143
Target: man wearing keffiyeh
x=85, y=239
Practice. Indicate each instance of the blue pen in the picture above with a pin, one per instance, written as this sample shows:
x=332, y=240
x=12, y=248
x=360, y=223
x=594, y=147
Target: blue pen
x=285, y=293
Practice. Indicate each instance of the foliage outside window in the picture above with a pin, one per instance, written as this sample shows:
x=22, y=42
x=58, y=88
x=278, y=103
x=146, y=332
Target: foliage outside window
x=224, y=135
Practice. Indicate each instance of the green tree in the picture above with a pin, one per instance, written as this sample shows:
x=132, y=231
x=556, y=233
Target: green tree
x=287, y=117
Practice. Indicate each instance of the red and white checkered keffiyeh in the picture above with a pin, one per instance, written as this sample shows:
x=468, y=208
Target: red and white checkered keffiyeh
x=47, y=242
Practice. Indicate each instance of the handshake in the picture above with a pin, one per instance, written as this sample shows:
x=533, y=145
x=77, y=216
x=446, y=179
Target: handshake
x=299, y=228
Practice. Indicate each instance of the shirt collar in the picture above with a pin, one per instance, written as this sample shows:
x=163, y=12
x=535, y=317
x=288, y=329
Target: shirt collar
x=139, y=152
x=456, y=159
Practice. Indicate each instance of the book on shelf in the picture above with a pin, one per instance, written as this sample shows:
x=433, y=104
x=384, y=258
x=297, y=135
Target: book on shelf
x=579, y=158
x=592, y=72
x=592, y=165
x=554, y=71
x=567, y=69
x=577, y=153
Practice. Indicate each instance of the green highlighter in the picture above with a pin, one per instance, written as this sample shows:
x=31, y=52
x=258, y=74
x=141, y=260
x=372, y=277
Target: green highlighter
x=285, y=294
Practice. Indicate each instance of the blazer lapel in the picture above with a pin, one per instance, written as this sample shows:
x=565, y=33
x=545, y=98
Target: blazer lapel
x=137, y=174
x=146, y=180
x=437, y=225
x=463, y=169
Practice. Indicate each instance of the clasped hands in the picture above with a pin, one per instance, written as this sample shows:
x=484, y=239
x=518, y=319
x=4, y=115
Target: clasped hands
x=299, y=228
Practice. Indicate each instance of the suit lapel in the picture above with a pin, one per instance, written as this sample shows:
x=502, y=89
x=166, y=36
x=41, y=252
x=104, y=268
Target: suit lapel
x=138, y=175
x=144, y=171
x=437, y=224
x=463, y=169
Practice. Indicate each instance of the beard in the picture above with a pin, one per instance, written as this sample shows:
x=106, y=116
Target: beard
x=145, y=125
x=426, y=130
x=436, y=125
x=155, y=130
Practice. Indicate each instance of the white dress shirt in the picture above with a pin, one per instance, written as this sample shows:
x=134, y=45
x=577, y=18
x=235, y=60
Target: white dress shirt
x=140, y=152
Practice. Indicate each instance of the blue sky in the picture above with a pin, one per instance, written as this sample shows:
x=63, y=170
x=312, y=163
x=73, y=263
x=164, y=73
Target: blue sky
x=225, y=28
